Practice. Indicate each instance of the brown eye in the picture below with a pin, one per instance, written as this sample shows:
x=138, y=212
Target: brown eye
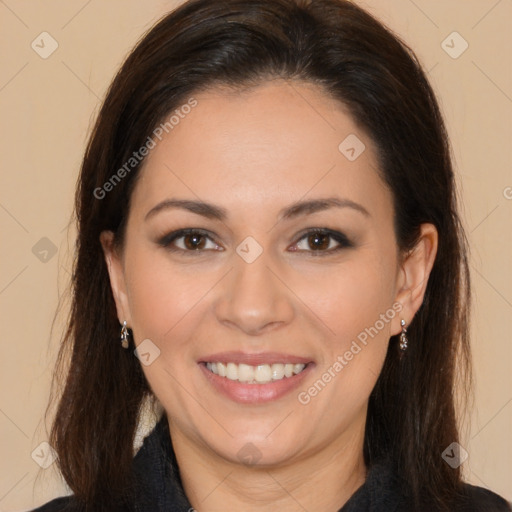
x=189, y=241
x=322, y=241
x=319, y=241
x=194, y=241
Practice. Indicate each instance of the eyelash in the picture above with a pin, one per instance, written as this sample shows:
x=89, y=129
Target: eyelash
x=340, y=238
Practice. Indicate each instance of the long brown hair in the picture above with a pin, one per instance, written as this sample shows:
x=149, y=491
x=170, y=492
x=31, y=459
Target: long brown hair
x=354, y=58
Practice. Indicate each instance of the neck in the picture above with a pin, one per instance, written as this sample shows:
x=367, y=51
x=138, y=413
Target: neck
x=322, y=480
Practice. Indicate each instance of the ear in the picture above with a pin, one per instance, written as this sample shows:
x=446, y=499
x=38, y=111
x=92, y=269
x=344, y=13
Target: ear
x=413, y=276
x=116, y=274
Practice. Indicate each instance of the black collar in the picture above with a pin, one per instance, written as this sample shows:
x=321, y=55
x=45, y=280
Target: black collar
x=161, y=488
x=157, y=487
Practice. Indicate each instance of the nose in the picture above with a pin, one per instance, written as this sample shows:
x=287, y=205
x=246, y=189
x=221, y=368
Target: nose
x=253, y=297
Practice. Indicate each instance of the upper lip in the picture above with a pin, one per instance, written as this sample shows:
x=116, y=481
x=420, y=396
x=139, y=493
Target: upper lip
x=254, y=359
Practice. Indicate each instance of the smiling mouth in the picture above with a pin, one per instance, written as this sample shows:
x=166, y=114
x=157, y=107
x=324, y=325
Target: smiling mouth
x=259, y=374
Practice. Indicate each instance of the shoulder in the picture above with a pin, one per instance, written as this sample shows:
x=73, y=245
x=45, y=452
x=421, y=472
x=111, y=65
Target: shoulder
x=64, y=504
x=478, y=499
x=385, y=489
x=71, y=504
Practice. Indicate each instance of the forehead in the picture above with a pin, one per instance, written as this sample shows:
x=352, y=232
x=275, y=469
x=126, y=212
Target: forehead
x=271, y=144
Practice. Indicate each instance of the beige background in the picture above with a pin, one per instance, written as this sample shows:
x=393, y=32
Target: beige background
x=47, y=110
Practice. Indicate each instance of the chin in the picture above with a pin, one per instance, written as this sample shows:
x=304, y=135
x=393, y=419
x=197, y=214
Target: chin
x=253, y=450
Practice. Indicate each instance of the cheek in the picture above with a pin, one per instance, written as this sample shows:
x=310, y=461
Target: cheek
x=350, y=299
x=352, y=355
x=356, y=304
x=166, y=306
x=162, y=298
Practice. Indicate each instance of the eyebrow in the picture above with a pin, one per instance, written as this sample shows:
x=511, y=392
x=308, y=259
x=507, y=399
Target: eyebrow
x=214, y=212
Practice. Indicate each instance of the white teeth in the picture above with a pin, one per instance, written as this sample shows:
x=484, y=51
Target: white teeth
x=277, y=371
x=297, y=368
x=260, y=374
x=221, y=369
x=263, y=374
x=231, y=371
x=245, y=373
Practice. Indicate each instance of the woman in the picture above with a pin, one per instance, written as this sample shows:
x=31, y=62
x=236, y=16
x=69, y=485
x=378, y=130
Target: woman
x=267, y=220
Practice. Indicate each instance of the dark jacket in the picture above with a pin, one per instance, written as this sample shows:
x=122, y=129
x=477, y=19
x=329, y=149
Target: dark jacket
x=161, y=490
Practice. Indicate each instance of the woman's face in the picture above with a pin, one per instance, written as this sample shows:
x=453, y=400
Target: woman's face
x=255, y=171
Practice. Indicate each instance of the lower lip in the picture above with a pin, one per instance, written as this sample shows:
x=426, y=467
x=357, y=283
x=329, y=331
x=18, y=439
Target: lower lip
x=255, y=393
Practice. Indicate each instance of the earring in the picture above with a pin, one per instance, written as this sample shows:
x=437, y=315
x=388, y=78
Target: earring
x=124, y=335
x=403, y=336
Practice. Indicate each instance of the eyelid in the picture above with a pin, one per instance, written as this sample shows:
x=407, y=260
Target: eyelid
x=342, y=240
x=167, y=239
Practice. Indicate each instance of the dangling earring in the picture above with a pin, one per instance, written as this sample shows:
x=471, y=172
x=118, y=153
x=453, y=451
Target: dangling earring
x=403, y=337
x=124, y=335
